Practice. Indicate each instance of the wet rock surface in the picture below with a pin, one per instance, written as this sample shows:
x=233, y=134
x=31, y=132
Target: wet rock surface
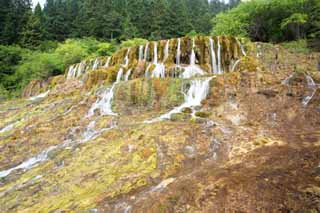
x=251, y=146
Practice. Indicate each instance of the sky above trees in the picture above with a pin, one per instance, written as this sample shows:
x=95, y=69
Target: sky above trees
x=35, y=2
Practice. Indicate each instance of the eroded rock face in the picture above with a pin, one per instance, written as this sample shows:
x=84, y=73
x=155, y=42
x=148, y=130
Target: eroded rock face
x=251, y=145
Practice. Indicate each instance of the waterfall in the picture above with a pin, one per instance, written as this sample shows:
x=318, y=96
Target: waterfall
x=42, y=95
x=241, y=47
x=235, y=65
x=71, y=72
x=166, y=51
x=213, y=58
x=160, y=69
x=312, y=86
x=155, y=53
x=107, y=62
x=146, y=52
x=96, y=64
x=147, y=70
x=7, y=128
x=220, y=71
x=80, y=69
x=127, y=76
x=105, y=103
x=178, y=52
x=192, y=70
x=30, y=163
x=126, y=59
x=198, y=91
x=193, y=54
x=140, y=52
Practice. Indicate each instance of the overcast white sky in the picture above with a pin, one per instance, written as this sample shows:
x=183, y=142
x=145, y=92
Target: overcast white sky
x=35, y=2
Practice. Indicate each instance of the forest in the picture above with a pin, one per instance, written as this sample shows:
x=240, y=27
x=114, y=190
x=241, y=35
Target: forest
x=37, y=43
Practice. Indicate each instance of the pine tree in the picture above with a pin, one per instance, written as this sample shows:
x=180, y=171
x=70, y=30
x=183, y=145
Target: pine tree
x=14, y=14
x=33, y=32
x=157, y=16
x=177, y=21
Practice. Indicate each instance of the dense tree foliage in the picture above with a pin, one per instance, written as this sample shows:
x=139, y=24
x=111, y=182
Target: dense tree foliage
x=271, y=20
x=104, y=19
x=20, y=65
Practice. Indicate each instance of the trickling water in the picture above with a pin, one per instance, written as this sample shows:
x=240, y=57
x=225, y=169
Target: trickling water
x=219, y=56
x=155, y=53
x=235, y=65
x=193, y=54
x=166, y=51
x=141, y=53
x=71, y=72
x=192, y=70
x=127, y=76
x=7, y=128
x=96, y=64
x=126, y=59
x=42, y=95
x=81, y=69
x=147, y=70
x=178, y=52
x=107, y=62
x=159, y=71
x=312, y=86
x=242, y=48
x=213, y=58
x=146, y=52
x=105, y=103
x=197, y=92
x=32, y=162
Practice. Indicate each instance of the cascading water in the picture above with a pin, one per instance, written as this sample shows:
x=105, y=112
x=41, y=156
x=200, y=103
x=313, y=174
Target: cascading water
x=235, y=65
x=96, y=64
x=140, y=52
x=7, y=128
x=30, y=163
x=241, y=47
x=192, y=70
x=178, y=52
x=159, y=70
x=166, y=51
x=146, y=52
x=219, y=56
x=312, y=86
x=42, y=95
x=126, y=59
x=127, y=76
x=105, y=103
x=213, y=58
x=197, y=92
x=107, y=62
x=71, y=72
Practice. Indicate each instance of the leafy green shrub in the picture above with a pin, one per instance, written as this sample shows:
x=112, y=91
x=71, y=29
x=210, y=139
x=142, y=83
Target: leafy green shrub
x=300, y=46
x=133, y=42
x=106, y=49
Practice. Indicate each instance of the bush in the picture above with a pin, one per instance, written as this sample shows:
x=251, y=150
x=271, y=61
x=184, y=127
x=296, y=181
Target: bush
x=300, y=46
x=133, y=42
x=19, y=66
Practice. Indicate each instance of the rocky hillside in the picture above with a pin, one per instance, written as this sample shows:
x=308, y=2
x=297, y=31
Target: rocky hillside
x=183, y=125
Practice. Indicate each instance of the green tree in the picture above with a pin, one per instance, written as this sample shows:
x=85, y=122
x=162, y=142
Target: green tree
x=178, y=21
x=33, y=33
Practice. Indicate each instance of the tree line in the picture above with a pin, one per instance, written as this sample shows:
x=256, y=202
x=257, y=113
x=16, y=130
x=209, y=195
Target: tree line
x=105, y=19
x=272, y=21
